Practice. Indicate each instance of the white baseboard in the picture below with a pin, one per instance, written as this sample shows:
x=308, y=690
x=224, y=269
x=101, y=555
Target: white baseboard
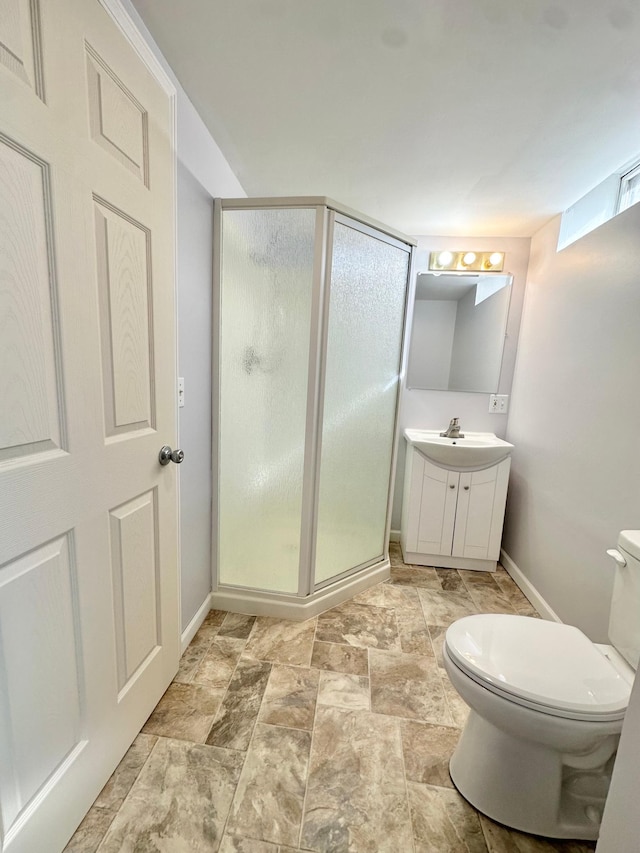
x=239, y=600
x=394, y=536
x=544, y=609
x=190, y=631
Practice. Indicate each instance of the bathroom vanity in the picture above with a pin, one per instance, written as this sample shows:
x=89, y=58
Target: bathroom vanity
x=455, y=492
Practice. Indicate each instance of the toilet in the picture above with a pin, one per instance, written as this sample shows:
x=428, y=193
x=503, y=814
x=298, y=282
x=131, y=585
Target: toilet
x=547, y=706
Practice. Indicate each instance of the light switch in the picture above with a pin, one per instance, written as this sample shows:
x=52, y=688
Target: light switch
x=498, y=404
x=180, y=392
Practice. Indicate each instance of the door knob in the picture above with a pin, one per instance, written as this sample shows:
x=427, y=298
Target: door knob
x=167, y=455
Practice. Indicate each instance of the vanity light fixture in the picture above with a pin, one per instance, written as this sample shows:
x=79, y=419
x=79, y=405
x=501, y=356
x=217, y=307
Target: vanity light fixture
x=447, y=261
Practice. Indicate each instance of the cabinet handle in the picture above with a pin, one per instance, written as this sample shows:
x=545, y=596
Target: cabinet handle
x=451, y=486
x=466, y=488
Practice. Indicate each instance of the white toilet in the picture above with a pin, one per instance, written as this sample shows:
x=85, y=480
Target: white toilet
x=547, y=707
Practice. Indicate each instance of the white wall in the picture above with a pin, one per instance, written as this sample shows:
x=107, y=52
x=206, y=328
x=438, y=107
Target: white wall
x=203, y=174
x=434, y=409
x=575, y=418
x=434, y=322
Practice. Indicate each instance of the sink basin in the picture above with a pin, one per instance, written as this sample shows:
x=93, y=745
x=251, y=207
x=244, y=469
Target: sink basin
x=475, y=450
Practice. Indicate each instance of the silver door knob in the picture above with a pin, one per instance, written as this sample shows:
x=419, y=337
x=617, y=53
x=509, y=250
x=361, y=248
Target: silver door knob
x=167, y=455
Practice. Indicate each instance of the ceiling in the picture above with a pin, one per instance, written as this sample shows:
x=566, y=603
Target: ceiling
x=456, y=117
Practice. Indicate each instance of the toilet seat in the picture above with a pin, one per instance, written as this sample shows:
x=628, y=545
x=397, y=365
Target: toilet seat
x=548, y=666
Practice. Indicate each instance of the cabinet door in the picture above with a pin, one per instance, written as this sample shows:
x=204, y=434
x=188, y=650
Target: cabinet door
x=437, y=510
x=480, y=512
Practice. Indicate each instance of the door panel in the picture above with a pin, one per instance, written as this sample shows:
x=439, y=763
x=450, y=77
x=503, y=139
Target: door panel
x=123, y=280
x=118, y=121
x=29, y=387
x=368, y=280
x=437, y=510
x=480, y=515
x=135, y=583
x=41, y=716
x=20, y=41
x=89, y=632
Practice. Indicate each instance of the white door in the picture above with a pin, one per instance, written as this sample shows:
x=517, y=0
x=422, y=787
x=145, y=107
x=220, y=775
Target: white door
x=438, y=497
x=480, y=515
x=89, y=635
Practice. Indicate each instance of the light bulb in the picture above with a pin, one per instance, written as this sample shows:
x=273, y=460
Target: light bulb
x=495, y=258
x=445, y=258
x=469, y=258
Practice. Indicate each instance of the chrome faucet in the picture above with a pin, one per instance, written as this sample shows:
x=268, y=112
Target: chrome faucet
x=453, y=430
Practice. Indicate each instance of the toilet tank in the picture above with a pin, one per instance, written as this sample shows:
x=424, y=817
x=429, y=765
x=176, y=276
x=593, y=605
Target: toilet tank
x=624, y=618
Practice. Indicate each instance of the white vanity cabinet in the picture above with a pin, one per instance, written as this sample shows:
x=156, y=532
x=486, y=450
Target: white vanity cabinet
x=453, y=518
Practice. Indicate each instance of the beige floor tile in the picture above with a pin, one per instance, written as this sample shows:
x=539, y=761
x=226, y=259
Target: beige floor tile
x=457, y=706
x=514, y=594
x=404, y=685
x=192, y=656
x=219, y=662
x=258, y=684
x=359, y=625
x=340, y=658
x=186, y=711
x=386, y=595
x=395, y=554
x=436, y=635
x=113, y=794
x=236, y=625
x=412, y=628
x=290, y=697
x=92, y=830
x=423, y=577
x=471, y=577
x=356, y=796
x=268, y=802
x=450, y=579
x=238, y=713
x=490, y=599
x=443, y=822
x=179, y=802
x=282, y=641
x=343, y=690
x=198, y=646
x=500, y=839
x=231, y=844
x=427, y=750
x=443, y=608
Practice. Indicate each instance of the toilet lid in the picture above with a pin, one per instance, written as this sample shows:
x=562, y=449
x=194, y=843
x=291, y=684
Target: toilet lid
x=547, y=664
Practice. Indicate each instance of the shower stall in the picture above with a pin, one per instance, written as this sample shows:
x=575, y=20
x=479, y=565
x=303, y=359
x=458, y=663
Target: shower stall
x=310, y=302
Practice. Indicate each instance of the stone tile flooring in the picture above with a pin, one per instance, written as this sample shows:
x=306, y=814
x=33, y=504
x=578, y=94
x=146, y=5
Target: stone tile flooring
x=328, y=735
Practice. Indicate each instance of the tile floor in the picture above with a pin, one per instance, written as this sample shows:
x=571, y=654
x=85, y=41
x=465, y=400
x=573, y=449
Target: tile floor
x=328, y=735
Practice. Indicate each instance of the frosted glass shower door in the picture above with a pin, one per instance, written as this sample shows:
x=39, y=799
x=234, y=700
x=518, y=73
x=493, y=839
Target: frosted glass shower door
x=364, y=343
x=267, y=261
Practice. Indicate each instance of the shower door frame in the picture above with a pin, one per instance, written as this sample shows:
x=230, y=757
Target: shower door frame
x=328, y=212
x=377, y=234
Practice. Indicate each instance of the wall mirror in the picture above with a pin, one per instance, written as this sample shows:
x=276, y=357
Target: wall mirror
x=458, y=332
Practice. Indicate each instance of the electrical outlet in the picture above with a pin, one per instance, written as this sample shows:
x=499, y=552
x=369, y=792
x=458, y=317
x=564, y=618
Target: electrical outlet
x=498, y=404
x=180, y=392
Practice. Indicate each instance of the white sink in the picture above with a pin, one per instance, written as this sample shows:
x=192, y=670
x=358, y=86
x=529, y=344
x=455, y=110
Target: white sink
x=475, y=450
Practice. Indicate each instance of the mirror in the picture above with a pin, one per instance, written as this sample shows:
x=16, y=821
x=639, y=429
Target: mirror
x=457, y=337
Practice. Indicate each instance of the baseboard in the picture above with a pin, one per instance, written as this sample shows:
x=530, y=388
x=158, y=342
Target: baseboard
x=394, y=536
x=239, y=600
x=544, y=609
x=190, y=631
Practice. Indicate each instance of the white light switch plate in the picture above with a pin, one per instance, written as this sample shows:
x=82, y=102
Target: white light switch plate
x=180, y=392
x=498, y=404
